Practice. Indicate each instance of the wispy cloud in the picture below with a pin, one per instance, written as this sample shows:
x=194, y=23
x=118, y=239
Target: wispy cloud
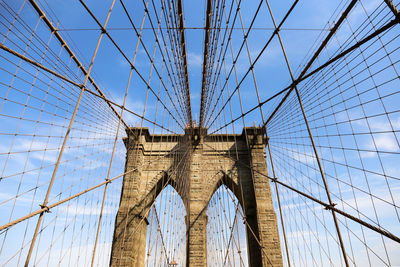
x=194, y=59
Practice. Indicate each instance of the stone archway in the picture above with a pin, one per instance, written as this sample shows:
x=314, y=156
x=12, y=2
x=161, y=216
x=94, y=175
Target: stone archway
x=152, y=172
x=235, y=160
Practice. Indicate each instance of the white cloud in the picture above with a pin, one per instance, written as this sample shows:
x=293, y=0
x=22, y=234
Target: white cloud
x=86, y=210
x=194, y=59
x=369, y=154
x=379, y=125
x=22, y=201
x=358, y=13
x=386, y=142
x=80, y=255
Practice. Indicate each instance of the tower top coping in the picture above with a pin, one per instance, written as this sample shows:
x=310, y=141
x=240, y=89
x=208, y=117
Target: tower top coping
x=253, y=133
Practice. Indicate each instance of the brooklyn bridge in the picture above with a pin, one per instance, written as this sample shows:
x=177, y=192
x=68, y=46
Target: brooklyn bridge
x=199, y=133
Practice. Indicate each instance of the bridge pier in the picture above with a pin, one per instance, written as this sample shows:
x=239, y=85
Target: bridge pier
x=238, y=161
x=196, y=239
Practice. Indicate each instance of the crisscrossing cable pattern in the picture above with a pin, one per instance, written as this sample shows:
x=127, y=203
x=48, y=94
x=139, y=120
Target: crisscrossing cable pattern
x=89, y=88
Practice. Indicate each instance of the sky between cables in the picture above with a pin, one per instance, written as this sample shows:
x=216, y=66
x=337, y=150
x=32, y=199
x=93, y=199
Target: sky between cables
x=350, y=105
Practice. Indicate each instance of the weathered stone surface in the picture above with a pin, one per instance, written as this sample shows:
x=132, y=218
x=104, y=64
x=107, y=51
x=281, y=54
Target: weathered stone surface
x=196, y=167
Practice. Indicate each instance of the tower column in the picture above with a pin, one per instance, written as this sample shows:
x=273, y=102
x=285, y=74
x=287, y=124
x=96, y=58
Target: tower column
x=196, y=239
x=198, y=165
x=196, y=219
x=129, y=242
x=263, y=241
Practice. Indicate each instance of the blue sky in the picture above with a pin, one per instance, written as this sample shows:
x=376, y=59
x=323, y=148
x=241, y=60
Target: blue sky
x=357, y=132
x=112, y=70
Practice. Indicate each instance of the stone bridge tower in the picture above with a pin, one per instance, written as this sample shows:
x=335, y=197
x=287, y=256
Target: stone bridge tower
x=197, y=166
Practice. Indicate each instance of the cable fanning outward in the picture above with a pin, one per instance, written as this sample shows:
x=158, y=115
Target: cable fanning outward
x=293, y=161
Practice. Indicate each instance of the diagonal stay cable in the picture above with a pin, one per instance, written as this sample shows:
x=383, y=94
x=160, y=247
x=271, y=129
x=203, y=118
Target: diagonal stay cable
x=327, y=206
x=69, y=51
x=312, y=141
x=254, y=62
x=184, y=57
x=314, y=57
x=103, y=30
x=50, y=206
x=300, y=79
x=110, y=102
x=205, y=61
x=174, y=84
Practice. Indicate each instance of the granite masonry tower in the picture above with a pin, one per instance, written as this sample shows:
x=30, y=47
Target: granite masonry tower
x=196, y=166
